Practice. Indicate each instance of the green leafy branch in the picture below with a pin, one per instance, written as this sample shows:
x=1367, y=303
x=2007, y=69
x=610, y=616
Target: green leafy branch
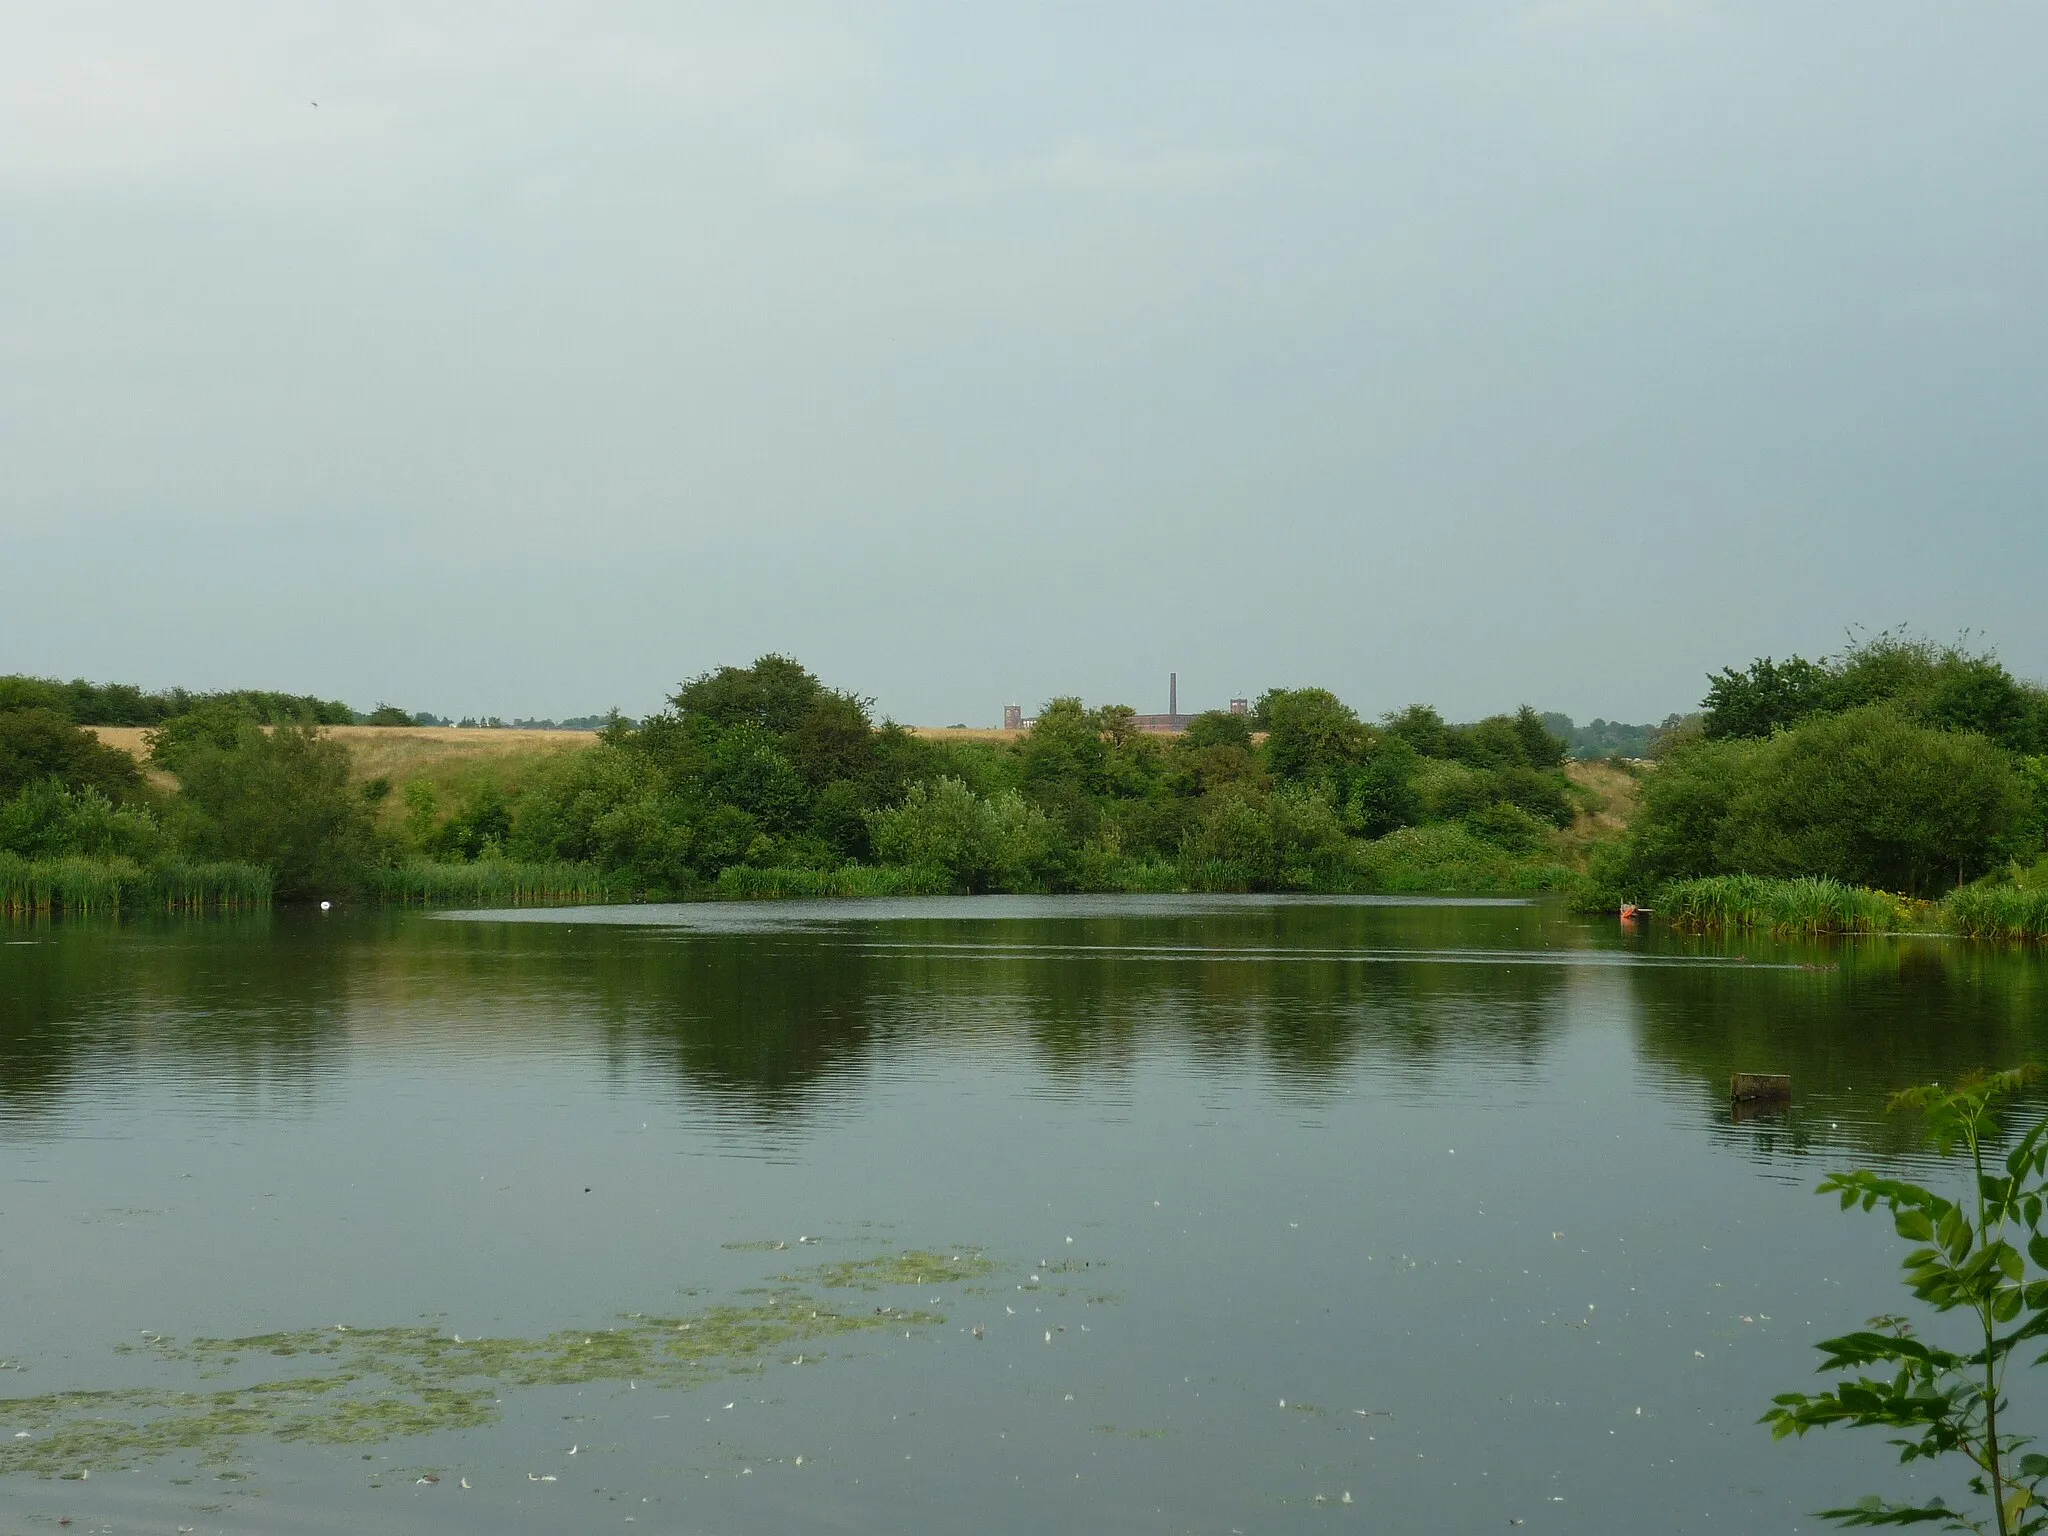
x=1971, y=1256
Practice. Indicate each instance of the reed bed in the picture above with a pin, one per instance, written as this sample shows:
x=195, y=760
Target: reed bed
x=83, y=887
x=744, y=883
x=1809, y=906
x=1997, y=912
x=1151, y=877
x=181, y=887
x=489, y=881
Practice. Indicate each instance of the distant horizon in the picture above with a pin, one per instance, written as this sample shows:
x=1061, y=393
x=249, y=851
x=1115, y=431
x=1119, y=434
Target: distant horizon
x=478, y=720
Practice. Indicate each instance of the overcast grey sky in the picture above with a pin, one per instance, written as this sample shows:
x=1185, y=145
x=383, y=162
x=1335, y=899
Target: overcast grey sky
x=1553, y=351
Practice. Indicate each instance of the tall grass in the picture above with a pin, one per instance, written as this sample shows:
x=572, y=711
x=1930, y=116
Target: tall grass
x=740, y=882
x=82, y=886
x=1804, y=906
x=175, y=886
x=505, y=881
x=1997, y=912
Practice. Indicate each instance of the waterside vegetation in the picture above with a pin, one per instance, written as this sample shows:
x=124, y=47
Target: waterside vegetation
x=761, y=781
x=1984, y=1257
x=1899, y=787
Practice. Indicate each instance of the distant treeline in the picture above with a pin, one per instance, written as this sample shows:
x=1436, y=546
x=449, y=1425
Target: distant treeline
x=1899, y=765
x=85, y=703
x=1609, y=738
x=760, y=778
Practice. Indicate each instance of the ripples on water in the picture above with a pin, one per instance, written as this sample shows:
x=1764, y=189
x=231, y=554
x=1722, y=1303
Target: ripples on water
x=1466, y=1163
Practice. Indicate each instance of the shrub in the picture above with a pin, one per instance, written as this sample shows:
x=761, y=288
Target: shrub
x=39, y=744
x=1449, y=856
x=980, y=844
x=1868, y=798
x=1287, y=840
x=280, y=799
x=1509, y=826
x=47, y=820
x=1865, y=797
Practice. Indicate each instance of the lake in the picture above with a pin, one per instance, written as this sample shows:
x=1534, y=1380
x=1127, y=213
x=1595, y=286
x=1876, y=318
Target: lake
x=1008, y=1214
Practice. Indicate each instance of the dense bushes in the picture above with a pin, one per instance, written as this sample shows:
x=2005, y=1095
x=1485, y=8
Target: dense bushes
x=761, y=780
x=281, y=799
x=39, y=745
x=84, y=703
x=1945, y=688
x=764, y=769
x=1866, y=797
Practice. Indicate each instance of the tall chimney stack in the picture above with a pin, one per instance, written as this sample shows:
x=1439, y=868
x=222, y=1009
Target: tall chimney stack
x=1173, y=696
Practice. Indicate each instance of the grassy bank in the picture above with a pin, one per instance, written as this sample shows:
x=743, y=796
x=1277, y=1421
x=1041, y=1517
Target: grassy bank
x=80, y=886
x=1815, y=907
x=1998, y=912
x=1806, y=906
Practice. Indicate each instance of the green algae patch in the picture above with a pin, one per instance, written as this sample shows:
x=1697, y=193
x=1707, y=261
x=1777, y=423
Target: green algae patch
x=918, y=1267
x=368, y=1386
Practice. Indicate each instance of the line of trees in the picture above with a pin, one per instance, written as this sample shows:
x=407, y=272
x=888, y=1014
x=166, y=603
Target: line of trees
x=84, y=703
x=1899, y=764
x=764, y=767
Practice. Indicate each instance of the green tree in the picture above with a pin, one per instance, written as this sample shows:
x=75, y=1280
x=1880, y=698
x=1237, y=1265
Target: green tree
x=774, y=695
x=1866, y=797
x=1064, y=745
x=481, y=825
x=1217, y=728
x=279, y=798
x=38, y=744
x=1768, y=697
x=1288, y=839
x=1381, y=796
x=1422, y=728
x=999, y=843
x=1869, y=798
x=1310, y=734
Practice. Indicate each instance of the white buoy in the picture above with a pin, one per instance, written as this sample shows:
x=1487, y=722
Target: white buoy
x=325, y=905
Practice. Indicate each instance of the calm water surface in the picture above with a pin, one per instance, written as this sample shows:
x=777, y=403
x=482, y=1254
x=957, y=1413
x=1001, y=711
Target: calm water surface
x=1133, y=1214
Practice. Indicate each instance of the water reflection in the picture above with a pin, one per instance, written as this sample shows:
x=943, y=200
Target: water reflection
x=1852, y=1022
x=773, y=1014
x=1267, y=1151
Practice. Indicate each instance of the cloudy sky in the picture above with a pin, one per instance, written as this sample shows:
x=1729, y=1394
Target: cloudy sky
x=1552, y=351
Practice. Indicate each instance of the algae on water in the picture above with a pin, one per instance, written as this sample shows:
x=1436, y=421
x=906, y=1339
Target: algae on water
x=365, y=1386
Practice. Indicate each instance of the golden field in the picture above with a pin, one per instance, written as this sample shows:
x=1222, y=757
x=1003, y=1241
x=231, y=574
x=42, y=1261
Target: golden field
x=448, y=758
